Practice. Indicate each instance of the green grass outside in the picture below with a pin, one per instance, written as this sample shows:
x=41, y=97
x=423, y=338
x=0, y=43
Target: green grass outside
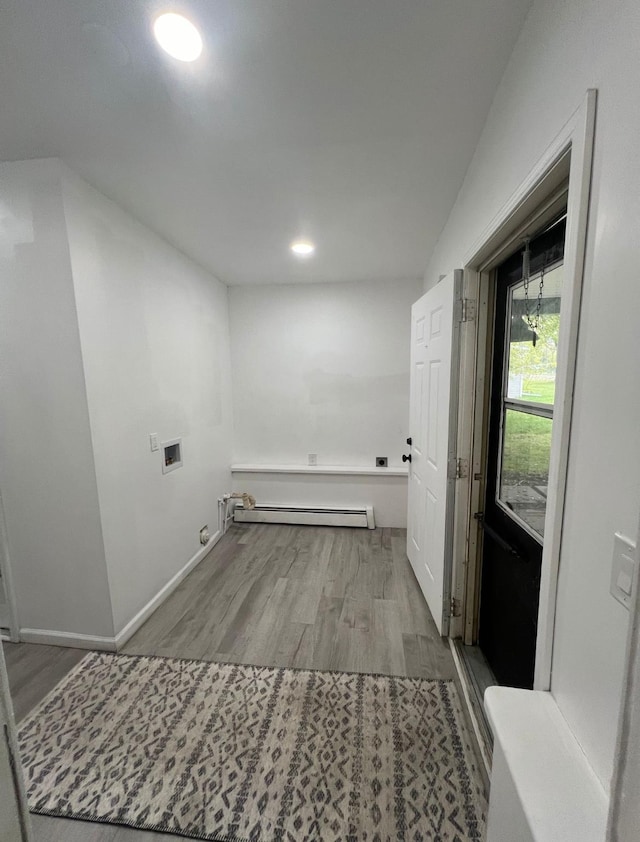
x=527, y=447
x=539, y=391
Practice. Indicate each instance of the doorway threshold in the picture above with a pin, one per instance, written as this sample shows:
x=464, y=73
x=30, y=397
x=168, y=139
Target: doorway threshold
x=475, y=676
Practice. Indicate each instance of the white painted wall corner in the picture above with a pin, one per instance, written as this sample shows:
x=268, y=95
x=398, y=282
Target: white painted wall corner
x=163, y=594
x=114, y=644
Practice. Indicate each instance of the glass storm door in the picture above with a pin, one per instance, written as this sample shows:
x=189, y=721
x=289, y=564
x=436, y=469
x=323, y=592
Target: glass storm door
x=527, y=324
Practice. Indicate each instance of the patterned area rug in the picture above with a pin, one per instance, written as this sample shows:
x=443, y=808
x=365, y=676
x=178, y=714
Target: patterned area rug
x=232, y=752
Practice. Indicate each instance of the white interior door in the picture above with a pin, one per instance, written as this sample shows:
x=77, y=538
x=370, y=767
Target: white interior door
x=433, y=417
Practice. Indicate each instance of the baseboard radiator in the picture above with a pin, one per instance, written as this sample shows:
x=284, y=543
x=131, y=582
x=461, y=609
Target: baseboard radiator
x=306, y=515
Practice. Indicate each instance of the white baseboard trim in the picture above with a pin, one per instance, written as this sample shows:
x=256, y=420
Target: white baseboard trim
x=75, y=641
x=143, y=615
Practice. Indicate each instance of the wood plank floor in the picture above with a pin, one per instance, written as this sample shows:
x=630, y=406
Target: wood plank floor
x=291, y=596
x=300, y=596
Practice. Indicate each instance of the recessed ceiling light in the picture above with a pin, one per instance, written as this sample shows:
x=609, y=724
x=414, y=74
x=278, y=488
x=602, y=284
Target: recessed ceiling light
x=303, y=248
x=177, y=36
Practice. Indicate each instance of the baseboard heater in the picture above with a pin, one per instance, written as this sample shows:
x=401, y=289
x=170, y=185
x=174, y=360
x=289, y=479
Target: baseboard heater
x=306, y=515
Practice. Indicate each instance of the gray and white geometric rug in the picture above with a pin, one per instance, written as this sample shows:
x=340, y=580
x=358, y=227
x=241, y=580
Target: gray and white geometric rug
x=232, y=752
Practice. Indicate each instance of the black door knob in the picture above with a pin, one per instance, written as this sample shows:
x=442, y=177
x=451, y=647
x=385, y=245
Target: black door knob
x=409, y=440
x=406, y=458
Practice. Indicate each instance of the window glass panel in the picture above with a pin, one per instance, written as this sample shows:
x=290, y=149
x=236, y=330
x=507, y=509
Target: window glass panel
x=526, y=450
x=532, y=369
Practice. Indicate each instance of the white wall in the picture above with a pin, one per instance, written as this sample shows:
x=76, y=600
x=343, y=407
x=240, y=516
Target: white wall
x=47, y=472
x=567, y=46
x=322, y=368
x=155, y=346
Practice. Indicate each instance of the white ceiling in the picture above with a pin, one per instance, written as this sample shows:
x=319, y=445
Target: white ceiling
x=349, y=122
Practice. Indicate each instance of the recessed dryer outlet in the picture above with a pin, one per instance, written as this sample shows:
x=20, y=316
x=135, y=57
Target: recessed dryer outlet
x=171, y=455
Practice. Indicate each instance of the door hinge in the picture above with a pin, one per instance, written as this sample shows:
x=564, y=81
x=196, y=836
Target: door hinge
x=455, y=608
x=458, y=468
x=467, y=310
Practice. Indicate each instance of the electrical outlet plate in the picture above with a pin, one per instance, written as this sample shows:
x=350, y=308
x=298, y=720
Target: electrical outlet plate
x=313, y=458
x=623, y=570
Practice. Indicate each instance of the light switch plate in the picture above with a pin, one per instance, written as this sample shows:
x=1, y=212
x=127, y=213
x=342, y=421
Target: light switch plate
x=153, y=442
x=623, y=569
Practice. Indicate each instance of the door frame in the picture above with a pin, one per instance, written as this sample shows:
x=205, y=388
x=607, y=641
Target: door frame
x=561, y=177
x=5, y=568
x=12, y=790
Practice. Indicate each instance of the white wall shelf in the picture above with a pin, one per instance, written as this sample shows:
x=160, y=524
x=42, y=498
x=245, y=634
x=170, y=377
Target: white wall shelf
x=335, y=470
